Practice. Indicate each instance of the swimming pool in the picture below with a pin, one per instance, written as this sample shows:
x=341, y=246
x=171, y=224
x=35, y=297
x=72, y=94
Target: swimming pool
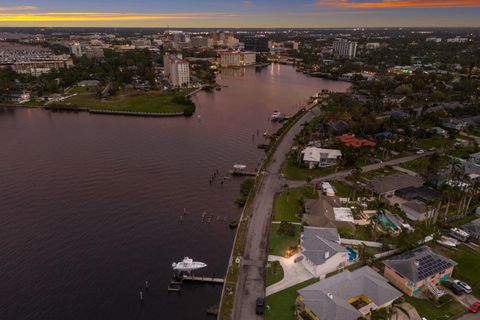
x=386, y=223
x=352, y=254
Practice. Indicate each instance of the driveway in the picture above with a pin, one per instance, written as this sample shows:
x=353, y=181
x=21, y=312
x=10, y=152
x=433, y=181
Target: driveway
x=293, y=273
x=407, y=307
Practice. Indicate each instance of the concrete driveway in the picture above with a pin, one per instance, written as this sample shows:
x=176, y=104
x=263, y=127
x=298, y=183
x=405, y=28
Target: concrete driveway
x=293, y=273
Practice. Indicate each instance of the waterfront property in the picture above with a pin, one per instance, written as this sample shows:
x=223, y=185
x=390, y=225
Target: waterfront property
x=348, y=295
x=317, y=157
x=416, y=210
x=322, y=251
x=418, y=271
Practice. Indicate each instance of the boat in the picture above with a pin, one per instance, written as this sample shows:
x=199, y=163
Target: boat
x=187, y=265
x=448, y=242
x=233, y=224
x=239, y=167
x=277, y=116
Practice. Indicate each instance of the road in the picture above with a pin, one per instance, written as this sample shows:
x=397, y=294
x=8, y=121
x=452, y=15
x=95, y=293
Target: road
x=251, y=280
x=367, y=168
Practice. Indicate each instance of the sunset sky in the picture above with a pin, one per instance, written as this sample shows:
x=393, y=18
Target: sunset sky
x=233, y=13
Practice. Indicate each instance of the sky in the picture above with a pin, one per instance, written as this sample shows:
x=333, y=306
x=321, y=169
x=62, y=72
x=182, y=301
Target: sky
x=240, y=13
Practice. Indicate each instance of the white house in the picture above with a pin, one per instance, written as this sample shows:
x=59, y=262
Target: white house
x=322, y=251
x=319, y=157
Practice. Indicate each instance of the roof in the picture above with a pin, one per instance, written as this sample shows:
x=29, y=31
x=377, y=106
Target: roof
x=315, y=154
x=422, y=193
x=473, y=228
x=419, y=264
x=320, y=244
x=393, y=182
x=328, y=299
x=416, y=207
x=343, y=214
x=354, y=142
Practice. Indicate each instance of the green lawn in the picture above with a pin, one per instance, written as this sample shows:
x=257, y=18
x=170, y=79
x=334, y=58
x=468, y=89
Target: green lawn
x=154, y=102
x=435, y=142
x=277, y=244
x=385, y=171
x=427, y=309
x=293, y=172
x=281, y=305
x=419, y=166
x=468, y=263
x=341, y=189
x=274, y=272
x=287, y=205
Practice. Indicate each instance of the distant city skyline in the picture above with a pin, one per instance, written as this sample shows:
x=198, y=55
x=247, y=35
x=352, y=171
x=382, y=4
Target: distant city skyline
x=238, y=14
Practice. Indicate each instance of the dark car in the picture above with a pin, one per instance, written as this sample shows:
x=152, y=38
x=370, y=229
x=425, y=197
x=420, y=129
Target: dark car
x=260, y=306
x=455, y=288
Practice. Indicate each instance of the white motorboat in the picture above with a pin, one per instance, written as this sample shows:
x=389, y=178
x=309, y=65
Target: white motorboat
x=188, y=265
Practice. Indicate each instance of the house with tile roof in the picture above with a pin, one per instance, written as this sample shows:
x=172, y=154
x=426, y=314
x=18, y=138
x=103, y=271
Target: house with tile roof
x=348, y=295
x=418, y=270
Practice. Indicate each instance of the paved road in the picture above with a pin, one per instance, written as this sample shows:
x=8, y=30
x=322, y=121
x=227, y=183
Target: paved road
x=251, y=281
x=367, y=168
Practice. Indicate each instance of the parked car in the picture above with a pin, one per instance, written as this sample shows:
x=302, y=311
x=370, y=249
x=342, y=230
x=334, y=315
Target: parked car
x=474, y=308
x=421, y=151
x=466, y=288
x=260, y=306
x=455, y=288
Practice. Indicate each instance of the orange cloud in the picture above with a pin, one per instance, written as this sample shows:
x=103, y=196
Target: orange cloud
x=385, y=4
x=102, y=16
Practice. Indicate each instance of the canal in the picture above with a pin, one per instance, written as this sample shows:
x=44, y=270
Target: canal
x=90, y=205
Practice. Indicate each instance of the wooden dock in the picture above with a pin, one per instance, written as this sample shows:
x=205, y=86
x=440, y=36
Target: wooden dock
x=176, y=283
x=242, y=173
x=204, y=279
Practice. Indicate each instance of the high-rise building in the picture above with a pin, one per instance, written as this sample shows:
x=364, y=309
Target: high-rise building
x=237, y=58
x=177, y=70
x=344, y=48
x=256, y=43
x=76, y=49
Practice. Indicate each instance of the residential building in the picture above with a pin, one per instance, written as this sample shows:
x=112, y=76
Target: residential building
x=417, y=210
x=351, y=141
x=237, y=58
x=177, y=70
x=142, y=43
x=345, y=49
x=201, y=42
x=372, y=45
x=348, y=295
x=434, y=39
x=256, y=43
x=422, y=193
x=473, y=228
x=322, y=251
x=317, y=157
x=76, y=49
x=16, y=97
x=386, y=186
x=418, y=270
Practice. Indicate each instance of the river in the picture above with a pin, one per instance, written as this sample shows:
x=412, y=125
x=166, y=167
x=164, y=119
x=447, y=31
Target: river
x=90, y=205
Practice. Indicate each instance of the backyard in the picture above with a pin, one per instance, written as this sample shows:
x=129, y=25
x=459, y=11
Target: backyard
x=466, y=258
x=281, y=305
x=430, y=311
x=288, y=204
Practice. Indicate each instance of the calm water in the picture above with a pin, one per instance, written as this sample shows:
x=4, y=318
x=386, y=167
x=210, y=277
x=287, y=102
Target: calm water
x=90, y=205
